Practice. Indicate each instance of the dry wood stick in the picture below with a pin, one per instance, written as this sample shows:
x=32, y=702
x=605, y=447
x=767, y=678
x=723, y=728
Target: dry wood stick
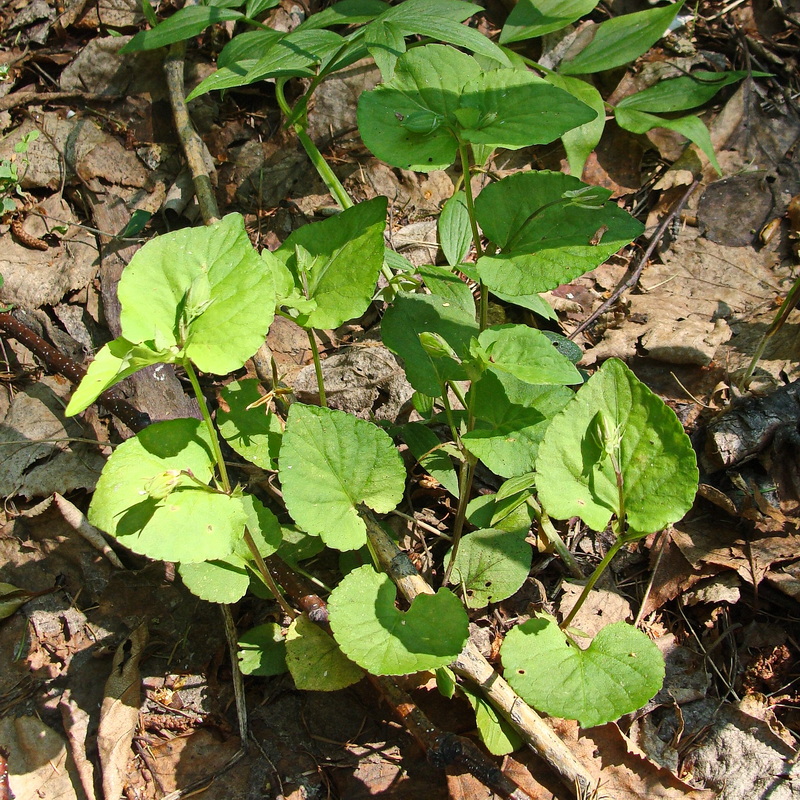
x=472, y=665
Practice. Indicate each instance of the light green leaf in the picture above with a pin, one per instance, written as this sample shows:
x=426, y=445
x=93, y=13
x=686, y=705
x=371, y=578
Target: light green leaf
x=545, y=241
x=345, y=254
x=622, y=39
x=346, y=12
x=385, y=641
x=531, y=18
x=513, y=515
x=255, y=433
x=691, y=127
x=655, y=456
x=295, y=54
x=528, y=355
x=386, y=44
x=315, y=660
x=297, y=545
x=113, y=363
x=183, y=24
x=263, y=650
x=490, y=566
x=411, y=315
x=248, y=45
x=496, y=732
x=446, y=30
x=330, y=463
x=449, y=287
x=205, y=290
x=189, y=523
x=222, y=581
x=533, y=302
x=425, y=446
x=256, y=7
x=455, y=233
x=618, y=673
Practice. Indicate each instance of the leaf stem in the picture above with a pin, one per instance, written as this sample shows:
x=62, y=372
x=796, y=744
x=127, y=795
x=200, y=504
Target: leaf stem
x=547, y=528
x=212, y=431
x=466, y=170
x=323, y=401
x=466, y=476
x=266, y=575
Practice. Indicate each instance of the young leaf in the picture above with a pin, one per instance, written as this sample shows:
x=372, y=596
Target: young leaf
x=511, y=515
x=448, y=287
x=180, y=521
x=330, y=463
x=425, y=446
x=184, y=24
x=545, y=239
x=496, y=732
x=622, y=39
x=315, y=660
x=262, y=650
x=385, y=641
x=205, y=290
x=691, y=127
x=411, y=315
x=654, y=455
x=254, y=433
x=618, y=673
x=490, y=566
x=455, y=233
x=531, y=18
x=344, y=257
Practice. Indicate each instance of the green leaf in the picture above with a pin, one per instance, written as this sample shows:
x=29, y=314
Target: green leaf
x=386, y=43
x=256, y=7
x=545, y=241
x=12, y=598
x=222, y=581
x=330, y=463
x=204, y=290
x=528, y=355
x=531, y=18
x=512, y=418
x=490, y=566
x=618, y=673
x=655, y=456
x=622, y=39
x=448, y=287
x=691, y=127
x=255, y=433
x=297, y=545
x=183, y=24
x=344, y=258
x=685, y=92
x=513, y=515
x=263, y=650
x=113, y=363
x=248, y=45
x=581, y=141
x=425, y=446
x=411, y=315
x=385, y=641
x=295, y=54
x=407, y=12
x=455, y=233
x=136, y=223
x=452, y=32
x=189, y=523
x=346, y=12
x=496, y=732
x=533, y=302
x=315, y=660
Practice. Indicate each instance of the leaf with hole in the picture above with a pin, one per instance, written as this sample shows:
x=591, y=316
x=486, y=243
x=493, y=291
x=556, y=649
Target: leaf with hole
x=385, y=641
x=618, y=673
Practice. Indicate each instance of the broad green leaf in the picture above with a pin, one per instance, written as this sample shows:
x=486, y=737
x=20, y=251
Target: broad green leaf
x=655, y=456
x=512, y=418
x=256, y=7
x=544, y=240
x=490, y=566
x=255, y=433
x=386, y=44
x=230, y=77
x=222, y=581
x=204, y=290
x=622, y=39
x=528, y=355
x=385, y=641
x=691, y=127
x=295, y=54
x=183, y=24
x=510, y=514
x=183, y=522
x=315, y=660
x=263, y=650
x=248, y=45
x=685, y=92
x=531, y=18
x=407, y=12
x=455, y=233
x=565, y=346
x=533, y=302
x=581, y=141
x=332, y=462
x=297, y=545
x=411, y=315
x=345, y=254
x=618, y=673
x=496, y=732
x=346, y=12
x=448, y=287
x=425, y=446
x=446, y=30
x=113, y=363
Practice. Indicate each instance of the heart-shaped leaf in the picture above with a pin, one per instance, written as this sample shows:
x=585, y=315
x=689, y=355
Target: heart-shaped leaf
x=386, y=641
x=653, y=453
x=618, y=673
x=330, y=463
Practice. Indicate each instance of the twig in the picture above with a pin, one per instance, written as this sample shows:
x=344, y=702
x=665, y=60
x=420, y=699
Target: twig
x=633, y=278
x=58, y=362
x=238, y=680
x=472, y=665
x=30, y=98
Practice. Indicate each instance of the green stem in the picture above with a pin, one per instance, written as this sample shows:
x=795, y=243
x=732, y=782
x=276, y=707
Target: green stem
x=465, y=479
x=530, y=62
x=212, y=432
x=323, y=401
x=266, y=575
x=599, y=570
x=551, y=534
x=466, y=170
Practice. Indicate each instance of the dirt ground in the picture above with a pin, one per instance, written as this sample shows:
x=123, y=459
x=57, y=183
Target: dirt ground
x=94, y=639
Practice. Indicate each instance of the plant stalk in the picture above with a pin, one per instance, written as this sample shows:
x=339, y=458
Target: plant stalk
x=547, y=528
x=466, y=169
x=466, y=476
x=263, y=570
x=323, y=400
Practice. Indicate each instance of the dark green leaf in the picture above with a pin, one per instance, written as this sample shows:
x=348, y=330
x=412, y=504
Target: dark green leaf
x=183, y=24
x=531, y=18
